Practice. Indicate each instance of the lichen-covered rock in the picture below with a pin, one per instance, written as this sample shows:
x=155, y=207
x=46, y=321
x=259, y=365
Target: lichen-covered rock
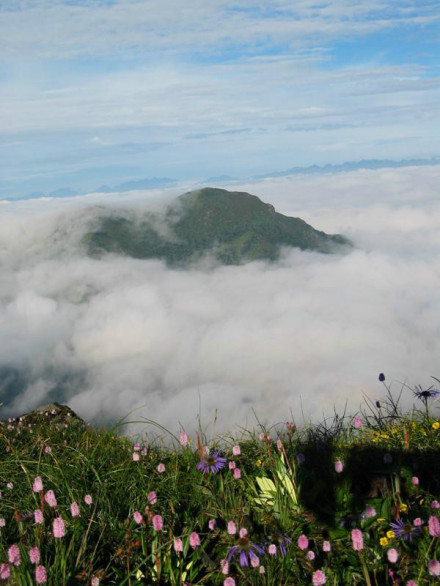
x=52, y=414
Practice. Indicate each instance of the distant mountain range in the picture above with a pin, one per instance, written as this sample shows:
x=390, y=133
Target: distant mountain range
x=234, y=227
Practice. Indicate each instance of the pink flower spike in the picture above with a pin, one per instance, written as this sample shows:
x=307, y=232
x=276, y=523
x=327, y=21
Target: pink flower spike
x=357, y=539
x=411, y=583
x=310, y=555
x=5, y=572
x=415, y=480
x=40, y=575
x=237, y=473
x=357, y=422
x=94, y=581
x=136, y=447
x=178, y=545
x=47, y=450
x=272, y=549
x=157, y=523
x=34, y=555
x=50, y=499
x=262, y=570
x=38, y=484
x=88, y=499
x=326, y=546
x=161, y=468
x=435, y=505
x=59, y=528
x=138, y=517
x=135, y=456
x=194, y=540
x=392, y=555
x=303, y=542
x=232, y=528
x=434, y=526
x=318, y=578
x=434, y=568
x=224, y=564
x=339, y=466
x=183, y=439
x=74, y=510
x=38, y=516
x=229, y=582
x=236, y=450
x=232, y=465
x=152, y=498
x=14, y=556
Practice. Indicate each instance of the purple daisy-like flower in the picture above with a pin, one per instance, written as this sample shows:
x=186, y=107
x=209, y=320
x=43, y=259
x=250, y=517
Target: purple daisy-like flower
x=246, y=551
x=405, y=530
x=425, y=394
x=281, y=541
x=211, y=463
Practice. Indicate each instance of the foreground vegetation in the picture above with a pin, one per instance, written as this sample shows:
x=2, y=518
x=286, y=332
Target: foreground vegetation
x=353, y=500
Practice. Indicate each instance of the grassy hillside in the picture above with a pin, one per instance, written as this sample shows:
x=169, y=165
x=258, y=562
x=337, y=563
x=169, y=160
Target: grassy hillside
x=235, y=227
x=354, y=500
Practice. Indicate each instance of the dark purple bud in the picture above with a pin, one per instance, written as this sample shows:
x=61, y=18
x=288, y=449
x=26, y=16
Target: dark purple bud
x=381, y=377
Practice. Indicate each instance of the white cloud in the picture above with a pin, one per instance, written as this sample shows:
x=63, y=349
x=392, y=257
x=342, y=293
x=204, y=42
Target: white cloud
x=306, y=333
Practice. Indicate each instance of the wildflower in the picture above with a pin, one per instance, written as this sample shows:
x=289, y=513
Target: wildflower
x=88, y=499
x=318, y=578
x=435, y=505
x=136, y=447
x=246, y=551
x=157, y=523
x=14, y=556
x=161, y=468
x=403, y=507
x=255, y=561
x=135, y=456
x=405, y=530
x=434, y=526
x=232, y=465
x=424, y=395
x=74, y=509
x=212, y=463
x=47, y=450
x=392, y=555
x=303, y=542
x=383, y=541
x=38, y=516
x=183, y=439
x=417, y=522
x=436, y=425
x=229, y=582
x=236, y=450
x=94, y=581
x=381, y=377
x=178, y=545
x=370, y=512
x=38, y=484
x=339, y=466
x=237, y=473
x=243, y=532
x=391, y=534
x=411, y=583
x=357, y=422
x=262, y=570
x=434, y=568
x=34, y=555
x=5, y=572
x=232, y=528
x=2, y=522
x=152, y=498
x=212, y=524
x=137, y=517
x=40, y=575
x=144, y=452
x=310, y=555
x=272, y=549
x=59, y=528
x=10, y=485
x=357, y=539
x=415, y=480
x=224, y=564
x=194, y=540
x=326, y=546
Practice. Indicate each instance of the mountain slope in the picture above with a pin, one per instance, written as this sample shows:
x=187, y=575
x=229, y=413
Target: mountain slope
x=235, y=227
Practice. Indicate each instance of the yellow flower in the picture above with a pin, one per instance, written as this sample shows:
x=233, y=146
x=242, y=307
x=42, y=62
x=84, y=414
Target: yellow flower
x=258, y=462
x=391, y=534
x=384, y=435
x=403, y=508
x=414, y=424
x=394, y=430
x=383, y=541
x=435, y=425
x=381, y=519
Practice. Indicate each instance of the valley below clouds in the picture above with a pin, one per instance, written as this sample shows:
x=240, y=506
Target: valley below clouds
x=287, y=340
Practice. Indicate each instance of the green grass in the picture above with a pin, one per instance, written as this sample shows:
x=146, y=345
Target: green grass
x=288, y=487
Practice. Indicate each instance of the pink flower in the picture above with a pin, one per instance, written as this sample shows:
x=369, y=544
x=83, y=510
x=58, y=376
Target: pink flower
x=232, y=528
x=5, y=572
x=358, y=539
x=415, y=480
x=178, y=545
x=135, y=456
x=59, y=528
x=303, y=542
x=318, y=578
x=38, y=516
x=232, y=465
x=262, y=570
x=38, y=484
x=144, y=452
x=370, y=512
x=137, y=517
x=88, y=499
x=243, y=532
x=434, y=568
x=152, y=498
x=357, y=422
x=212, y=524
x=411, y=583
x=161, y=468
x=94, y=581
x=224, y=564
x=2, y=522
x=50, y=499
x=326, y=546
x=34, y=555
x=194, y=540
x=47, y=450
x=272, y=549
x=14, y=555
x=417, y=522
x=310, y=555
x=236, y=450
x=136, y=447
x=157, y=523
x=392, y=555
x=339, y=466
x=229, y=582
x=237, y=473
x=40, y=575
x=74, y=510
x=255, y=561
x=434, y=526
x=183, y=439
x=435, y=505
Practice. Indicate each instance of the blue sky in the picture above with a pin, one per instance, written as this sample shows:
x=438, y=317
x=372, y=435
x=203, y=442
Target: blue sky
x=101, y=92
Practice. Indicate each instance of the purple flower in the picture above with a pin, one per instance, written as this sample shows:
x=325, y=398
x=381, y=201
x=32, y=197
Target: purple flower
x=211, y=463
x=405, y=530
x=434, y=526
x=381, y=377
x=246, y=551
x=318, y=578
x=434, y=568
x=424, y=395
